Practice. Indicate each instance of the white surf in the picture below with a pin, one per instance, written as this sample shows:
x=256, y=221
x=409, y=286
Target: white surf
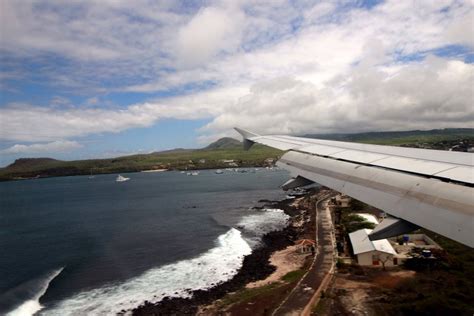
x=32, y=306
x=215, y=266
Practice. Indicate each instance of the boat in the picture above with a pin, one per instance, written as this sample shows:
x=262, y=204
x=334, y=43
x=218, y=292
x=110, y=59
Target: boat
x=91, y=176
x=219, y=171
x=155, y=170
x=121, y=179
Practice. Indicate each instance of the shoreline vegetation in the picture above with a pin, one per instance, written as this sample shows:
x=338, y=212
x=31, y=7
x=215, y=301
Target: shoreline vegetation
x=224, y=153
x=265, y=270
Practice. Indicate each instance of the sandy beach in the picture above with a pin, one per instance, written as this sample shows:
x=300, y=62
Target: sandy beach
x=284, y=261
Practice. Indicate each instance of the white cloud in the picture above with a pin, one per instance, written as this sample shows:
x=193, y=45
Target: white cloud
x=29, y=123
x=274, y=66
x=60, y=146
x=433, y=94
x=209, y=32
x=22, y=122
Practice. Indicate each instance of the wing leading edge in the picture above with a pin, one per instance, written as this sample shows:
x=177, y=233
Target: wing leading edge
x=430, y=188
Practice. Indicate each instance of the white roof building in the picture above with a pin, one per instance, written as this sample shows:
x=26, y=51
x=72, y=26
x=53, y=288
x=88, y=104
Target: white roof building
x=361, y=243
x=372, y=253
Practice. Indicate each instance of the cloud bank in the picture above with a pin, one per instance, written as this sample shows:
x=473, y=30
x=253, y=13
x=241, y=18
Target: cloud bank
x=60, y=146
x=271, y=66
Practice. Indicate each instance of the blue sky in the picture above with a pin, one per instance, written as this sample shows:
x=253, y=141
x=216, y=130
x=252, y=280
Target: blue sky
x=106, y=78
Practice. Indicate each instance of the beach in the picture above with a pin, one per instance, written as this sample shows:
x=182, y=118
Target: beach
x=268, y=263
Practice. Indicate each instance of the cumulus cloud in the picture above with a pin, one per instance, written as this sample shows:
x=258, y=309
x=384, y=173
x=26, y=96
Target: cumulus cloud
x=210, y=31
x=436, y=93
x=60, y=146
x=23, y=122
x=33, y=123
x=273, y=66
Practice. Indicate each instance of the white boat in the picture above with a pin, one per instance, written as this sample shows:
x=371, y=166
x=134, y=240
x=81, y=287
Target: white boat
x=91, y=175
x=194, y=173
x=121, y=179
x=219, y=171
x=155, y=170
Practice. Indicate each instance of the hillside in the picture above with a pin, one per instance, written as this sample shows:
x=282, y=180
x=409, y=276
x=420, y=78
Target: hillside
x=415, y=138
x=216, y=154
x=28, y=163
x=224, y=143
x=212, y=156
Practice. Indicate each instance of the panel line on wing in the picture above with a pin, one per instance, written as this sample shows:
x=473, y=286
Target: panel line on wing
x=424, y=175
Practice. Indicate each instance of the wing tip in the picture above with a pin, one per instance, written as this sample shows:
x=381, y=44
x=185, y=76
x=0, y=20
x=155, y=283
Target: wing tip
x=246, y=135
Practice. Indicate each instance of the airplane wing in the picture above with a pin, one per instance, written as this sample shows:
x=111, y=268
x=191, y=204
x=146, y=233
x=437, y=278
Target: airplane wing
x=428, y=188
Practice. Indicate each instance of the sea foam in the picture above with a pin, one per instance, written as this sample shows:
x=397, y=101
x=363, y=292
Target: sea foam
x=264, y=222
x=215, y=266
x=32, y=306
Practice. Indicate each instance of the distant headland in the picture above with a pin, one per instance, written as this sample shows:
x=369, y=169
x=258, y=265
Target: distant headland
x=225, y=153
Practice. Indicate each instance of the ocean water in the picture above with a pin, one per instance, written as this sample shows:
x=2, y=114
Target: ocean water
x=74, y=245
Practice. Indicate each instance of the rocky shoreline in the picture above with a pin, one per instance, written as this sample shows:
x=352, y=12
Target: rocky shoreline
x=255, y=267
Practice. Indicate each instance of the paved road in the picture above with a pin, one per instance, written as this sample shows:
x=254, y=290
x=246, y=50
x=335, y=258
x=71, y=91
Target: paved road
x=304, y=291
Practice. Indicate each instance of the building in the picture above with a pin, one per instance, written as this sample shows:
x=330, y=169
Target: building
x=404, y=246
x=305, y=245
x=227, y=160
x=372, y=253
x=343, y=200
x=269, y=161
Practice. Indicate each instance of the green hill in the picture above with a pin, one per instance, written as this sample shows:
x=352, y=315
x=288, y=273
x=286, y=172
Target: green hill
x=403, y=137
x=29, y=163
x=224, y=143
x=217, y=153
x=212, y=156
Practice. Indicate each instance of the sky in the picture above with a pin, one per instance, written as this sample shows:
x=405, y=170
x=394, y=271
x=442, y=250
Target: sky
x=104, y=78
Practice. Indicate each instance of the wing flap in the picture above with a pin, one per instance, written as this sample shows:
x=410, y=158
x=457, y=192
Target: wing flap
x=429, y=188
x=443, y=207
x=445, y=165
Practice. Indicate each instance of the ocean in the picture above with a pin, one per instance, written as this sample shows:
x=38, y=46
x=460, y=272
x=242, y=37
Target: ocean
x=75, y=246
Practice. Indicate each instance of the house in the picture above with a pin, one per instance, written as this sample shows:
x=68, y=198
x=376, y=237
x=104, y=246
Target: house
x=372, y=253
x=305, y=245
x=343, y=200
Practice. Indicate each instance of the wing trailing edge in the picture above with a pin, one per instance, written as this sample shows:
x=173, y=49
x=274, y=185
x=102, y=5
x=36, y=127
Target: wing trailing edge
x=428, y=188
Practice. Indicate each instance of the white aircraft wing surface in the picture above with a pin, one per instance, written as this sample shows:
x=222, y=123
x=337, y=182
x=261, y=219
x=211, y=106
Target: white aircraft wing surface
x=430, y=188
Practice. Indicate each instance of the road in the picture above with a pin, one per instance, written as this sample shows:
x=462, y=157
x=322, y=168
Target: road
x=304, y=291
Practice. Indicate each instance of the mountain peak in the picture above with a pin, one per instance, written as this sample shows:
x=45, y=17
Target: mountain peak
x=225, y=142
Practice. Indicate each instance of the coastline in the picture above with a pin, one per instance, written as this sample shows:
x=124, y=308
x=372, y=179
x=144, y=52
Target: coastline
x=256, y=267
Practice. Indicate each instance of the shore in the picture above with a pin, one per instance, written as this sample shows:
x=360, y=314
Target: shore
x=256, y=267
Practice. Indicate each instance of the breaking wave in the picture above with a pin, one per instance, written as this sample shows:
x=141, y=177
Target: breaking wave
x=32, y=305
x=215, y=266
x=264, y=222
